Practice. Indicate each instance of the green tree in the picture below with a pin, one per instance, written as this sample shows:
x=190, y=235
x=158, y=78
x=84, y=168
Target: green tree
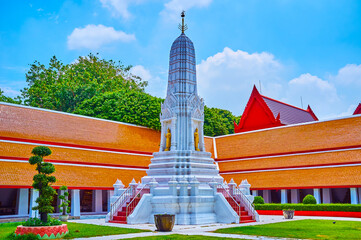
x=105, y=89
x=4, y=98
x=64, y=206
x=42, y=181
x=309, y=199
x=124, y=106
x=64, y=87
x=218, y=121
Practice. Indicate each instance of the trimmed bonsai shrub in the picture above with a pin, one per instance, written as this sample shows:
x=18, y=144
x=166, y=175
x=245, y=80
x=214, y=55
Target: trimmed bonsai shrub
x=42, y=182
x=34, y=222
x=309, y=199
x=258, y=200
x=64, y=206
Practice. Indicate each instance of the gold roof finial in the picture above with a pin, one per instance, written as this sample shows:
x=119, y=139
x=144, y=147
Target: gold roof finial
x=183, y=27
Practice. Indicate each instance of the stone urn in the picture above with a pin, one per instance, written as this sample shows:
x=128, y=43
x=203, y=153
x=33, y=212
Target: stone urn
x=164, y=222
x=288, y=213
x=64, y=218
x=44, y=232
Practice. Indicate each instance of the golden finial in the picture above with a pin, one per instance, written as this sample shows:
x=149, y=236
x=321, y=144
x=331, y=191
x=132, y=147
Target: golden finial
x=183, y=27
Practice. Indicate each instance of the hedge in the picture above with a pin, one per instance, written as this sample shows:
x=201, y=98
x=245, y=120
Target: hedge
x=311, y=207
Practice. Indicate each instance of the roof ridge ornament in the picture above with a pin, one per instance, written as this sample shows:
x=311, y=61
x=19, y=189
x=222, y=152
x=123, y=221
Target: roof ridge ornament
x=183, y=27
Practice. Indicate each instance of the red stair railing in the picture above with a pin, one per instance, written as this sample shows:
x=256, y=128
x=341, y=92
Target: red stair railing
x=121, y=200
x=133, y=203
x=241, y=197
x=234, y=204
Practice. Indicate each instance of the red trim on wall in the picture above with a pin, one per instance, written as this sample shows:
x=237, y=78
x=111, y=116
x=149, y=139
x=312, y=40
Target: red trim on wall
x=74, y=162
x=57, y=187
x=295, y=166
x=288, y=153
x=308, y=187
x=313, y=213
x=73, y=145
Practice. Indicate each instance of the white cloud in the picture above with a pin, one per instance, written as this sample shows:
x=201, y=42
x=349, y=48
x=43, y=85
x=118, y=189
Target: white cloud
x=349, y=74
x=225, y=79
x=119, y=7
x=140, y=71
x=307, y=83
x=9, y=92
x=156, y=85
x=320, y=94
x=94, y=36
x=173, y=8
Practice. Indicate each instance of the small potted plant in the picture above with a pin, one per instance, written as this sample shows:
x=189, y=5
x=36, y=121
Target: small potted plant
x=288, y=213
x=64, y=206
x=164, y=222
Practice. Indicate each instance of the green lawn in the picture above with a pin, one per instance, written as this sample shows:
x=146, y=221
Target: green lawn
x=180, y=237
x=313, y=229
x=7, y=228
x=76, y=230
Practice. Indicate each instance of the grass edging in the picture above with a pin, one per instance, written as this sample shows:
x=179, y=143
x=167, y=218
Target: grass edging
x=76, y=230
x=304, y=229
x=310, y=207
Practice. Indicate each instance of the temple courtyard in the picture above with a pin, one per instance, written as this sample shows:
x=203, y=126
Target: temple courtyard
x=269, y=227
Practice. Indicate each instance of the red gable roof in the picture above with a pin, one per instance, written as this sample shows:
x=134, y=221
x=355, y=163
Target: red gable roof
x=264, y=112
x=289, y=114
x=357, y=110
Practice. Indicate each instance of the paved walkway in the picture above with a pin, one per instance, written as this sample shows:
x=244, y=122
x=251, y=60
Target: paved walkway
x=204, y=230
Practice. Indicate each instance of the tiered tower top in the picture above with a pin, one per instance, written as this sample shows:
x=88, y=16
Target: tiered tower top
x=182, y=66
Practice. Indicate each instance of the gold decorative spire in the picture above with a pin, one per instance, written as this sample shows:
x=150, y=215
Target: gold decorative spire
x=183, y=27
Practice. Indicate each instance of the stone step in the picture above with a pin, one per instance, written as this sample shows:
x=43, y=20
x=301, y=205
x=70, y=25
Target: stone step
x=244, y=213
x=122, y=213
x=247, y=221
x=121, y=222
x=120, y=218
x=245, y=218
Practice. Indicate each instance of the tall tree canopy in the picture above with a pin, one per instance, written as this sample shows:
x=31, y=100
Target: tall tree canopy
x=64, y=87
x=218, y=121
x=128, y=106
x=104, y=89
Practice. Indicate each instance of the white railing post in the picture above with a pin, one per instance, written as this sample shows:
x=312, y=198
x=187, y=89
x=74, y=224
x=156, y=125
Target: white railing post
x=133, y=186
x=173, y=186
x=232, y=186
x=213, y=185
x=152, y=185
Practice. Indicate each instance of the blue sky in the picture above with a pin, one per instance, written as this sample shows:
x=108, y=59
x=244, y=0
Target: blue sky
x=293, y=48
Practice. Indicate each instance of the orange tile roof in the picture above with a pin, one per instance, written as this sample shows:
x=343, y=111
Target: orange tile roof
x=293, y=161
x=13, y=173
x=307, y=178
x=304, y=137
x=75, y=155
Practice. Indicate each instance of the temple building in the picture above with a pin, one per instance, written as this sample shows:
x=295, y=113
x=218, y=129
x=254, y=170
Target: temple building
x=284, y=153
x=264, y=112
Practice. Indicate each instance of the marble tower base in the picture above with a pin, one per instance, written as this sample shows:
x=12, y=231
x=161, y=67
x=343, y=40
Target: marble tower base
x=191, y=202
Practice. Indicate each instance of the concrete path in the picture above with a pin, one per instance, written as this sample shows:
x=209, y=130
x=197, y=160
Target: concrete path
x=203, y=230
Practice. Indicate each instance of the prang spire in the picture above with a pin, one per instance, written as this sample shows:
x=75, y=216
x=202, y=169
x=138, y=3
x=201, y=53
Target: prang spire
x=183, y=27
